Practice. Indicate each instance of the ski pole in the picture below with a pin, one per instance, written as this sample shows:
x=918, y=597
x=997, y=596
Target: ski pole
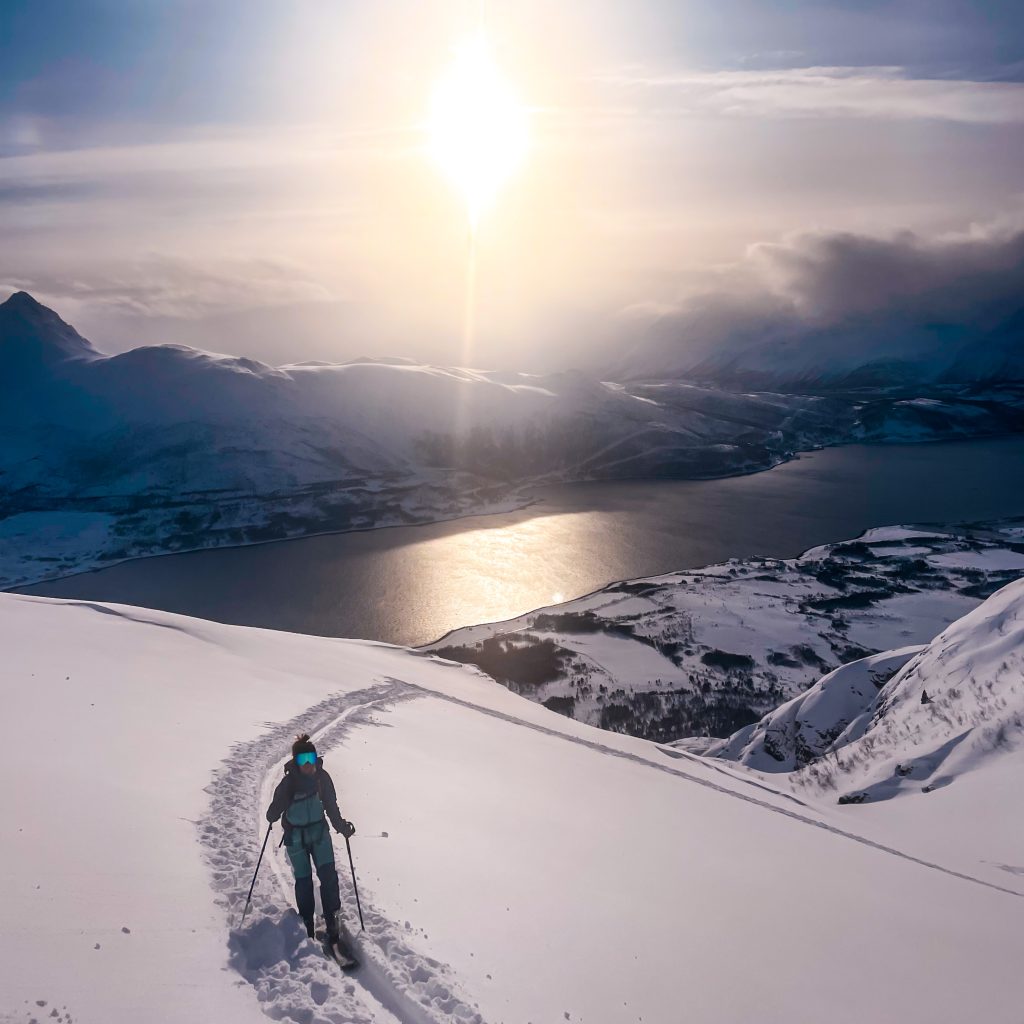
x=248, y=898
x=355, y=888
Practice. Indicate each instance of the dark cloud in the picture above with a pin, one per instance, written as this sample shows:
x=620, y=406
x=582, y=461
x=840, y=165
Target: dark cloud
x=824, y=306
x=838, y=276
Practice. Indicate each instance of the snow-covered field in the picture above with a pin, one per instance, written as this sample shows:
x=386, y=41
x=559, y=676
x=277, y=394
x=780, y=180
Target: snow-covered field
x=534, y=868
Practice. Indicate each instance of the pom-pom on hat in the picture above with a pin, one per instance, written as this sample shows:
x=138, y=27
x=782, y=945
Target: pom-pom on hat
x=303, y=745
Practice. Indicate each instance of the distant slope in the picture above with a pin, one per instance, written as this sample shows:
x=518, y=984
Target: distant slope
x=864, y=353
x=825, y=312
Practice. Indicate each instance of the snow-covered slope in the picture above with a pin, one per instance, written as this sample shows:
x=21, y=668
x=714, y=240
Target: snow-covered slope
x=953, y=705
x=705, y=652
x=533, y=869
x=807, y=727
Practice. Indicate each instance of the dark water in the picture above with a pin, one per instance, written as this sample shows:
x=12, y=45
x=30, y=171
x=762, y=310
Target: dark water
x=412, y=584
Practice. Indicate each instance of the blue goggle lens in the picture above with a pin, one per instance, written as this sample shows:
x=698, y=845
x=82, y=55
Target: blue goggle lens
x=305, y=758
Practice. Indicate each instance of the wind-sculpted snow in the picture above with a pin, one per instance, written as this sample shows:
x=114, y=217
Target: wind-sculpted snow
x=908, y=721
x=708, y=652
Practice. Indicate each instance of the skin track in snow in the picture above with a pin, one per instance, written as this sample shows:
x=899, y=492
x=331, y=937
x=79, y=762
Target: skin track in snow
x=272, y=952
x=522, y=847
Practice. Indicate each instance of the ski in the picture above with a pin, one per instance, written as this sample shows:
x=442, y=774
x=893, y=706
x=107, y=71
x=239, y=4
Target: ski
x=339, y=952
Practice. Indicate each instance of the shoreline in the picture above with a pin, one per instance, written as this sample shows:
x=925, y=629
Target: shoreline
x=513, y=505
x=299, y=615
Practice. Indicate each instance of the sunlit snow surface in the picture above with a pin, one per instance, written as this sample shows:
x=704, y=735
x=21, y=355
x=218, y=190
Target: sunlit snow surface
x=534, y=869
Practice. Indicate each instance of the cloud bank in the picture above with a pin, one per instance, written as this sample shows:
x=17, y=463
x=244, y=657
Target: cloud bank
x=834, y=307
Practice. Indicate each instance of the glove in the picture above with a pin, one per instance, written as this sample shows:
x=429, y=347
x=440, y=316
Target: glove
x=348, y=830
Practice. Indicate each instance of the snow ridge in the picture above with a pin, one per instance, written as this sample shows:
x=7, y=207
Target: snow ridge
x=805, y=728
x=292, y=979
x=958, y=704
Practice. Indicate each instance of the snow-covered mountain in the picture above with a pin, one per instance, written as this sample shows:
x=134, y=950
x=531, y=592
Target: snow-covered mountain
x=904, y=721
x=314, y=422
x=704, y=652
x=513, y=864
x=168, y=448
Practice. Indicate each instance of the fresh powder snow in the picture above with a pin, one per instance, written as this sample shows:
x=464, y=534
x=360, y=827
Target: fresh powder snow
x=514, y=864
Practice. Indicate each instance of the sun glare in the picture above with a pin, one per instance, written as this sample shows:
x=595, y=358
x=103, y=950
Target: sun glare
x=478, y=126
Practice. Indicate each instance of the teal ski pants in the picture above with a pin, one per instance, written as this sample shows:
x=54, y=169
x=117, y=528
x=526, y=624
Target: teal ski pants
x=313, y=843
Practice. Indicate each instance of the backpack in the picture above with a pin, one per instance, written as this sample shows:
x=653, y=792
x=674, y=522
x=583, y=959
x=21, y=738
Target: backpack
x=307, y=809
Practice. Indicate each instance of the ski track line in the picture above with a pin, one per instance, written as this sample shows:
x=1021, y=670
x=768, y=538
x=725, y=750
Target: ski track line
x=381, y=957
x=600, y=747
x=395, y=984
x=276, y=858
x=292, y=978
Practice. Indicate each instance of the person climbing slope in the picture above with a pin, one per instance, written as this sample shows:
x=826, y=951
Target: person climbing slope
x=302, y=799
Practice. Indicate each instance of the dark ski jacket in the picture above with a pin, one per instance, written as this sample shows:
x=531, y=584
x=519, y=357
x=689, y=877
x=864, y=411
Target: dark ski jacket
x=285, y=794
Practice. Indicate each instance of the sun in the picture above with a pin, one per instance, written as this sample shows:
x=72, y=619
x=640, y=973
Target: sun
x=478, y=127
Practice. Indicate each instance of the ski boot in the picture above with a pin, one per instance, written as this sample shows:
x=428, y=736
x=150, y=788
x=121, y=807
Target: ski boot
x=335, y=945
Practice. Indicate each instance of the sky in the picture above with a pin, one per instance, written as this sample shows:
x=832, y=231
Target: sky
x=255, y=177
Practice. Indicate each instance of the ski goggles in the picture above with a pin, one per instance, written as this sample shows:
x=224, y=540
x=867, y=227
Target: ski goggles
x=307, y=757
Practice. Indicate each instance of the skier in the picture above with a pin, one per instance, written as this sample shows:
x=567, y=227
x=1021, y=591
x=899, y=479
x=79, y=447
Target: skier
x=302, y=798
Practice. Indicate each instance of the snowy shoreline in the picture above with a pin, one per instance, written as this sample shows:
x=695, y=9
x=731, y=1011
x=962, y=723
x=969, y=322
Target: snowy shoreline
x=97, y=565
x=169, y=449
x=20, y=568
x=520, y=498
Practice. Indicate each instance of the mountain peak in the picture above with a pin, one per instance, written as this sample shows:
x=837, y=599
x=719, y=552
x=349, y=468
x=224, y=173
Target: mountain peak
x=30, y=331
x=22, y=300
